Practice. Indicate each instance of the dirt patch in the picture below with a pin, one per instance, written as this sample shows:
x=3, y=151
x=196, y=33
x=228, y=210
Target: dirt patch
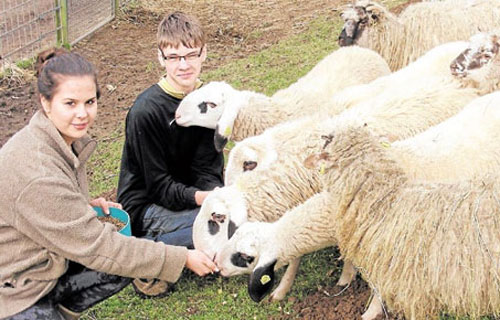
x=334, y=303
x=124, y=51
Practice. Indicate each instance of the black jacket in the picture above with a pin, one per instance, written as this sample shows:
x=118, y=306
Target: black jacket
x=163, y=163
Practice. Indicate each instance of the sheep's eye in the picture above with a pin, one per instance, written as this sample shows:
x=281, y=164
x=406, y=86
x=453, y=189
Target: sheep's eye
x=218, y=217
x=231, y=229
x=249, y=165
x=241, y=259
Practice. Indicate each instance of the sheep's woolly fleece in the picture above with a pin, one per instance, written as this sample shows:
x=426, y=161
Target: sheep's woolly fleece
x=398, y=105
x=241, y=114
x=422, y=26
x=310, y=94
x=441, y=241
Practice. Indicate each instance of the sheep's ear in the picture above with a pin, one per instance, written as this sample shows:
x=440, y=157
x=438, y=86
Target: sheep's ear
x=231, y=229
x=316, y=160
x=219, y=140
x=261, y=281
x=374, y=11
x=496, y=43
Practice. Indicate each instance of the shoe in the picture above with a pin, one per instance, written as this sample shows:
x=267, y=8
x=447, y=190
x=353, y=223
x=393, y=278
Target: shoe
x=153, y=288
x=68, y=314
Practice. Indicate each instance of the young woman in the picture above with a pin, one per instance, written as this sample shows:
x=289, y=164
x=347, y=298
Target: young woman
x=56, y=258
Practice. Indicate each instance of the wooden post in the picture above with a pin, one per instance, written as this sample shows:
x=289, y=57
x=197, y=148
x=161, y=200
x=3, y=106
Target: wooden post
x=58, y=23
x=117, y=7
x=63, y=40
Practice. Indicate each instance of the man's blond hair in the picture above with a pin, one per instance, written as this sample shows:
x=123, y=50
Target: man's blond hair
x=179, y=28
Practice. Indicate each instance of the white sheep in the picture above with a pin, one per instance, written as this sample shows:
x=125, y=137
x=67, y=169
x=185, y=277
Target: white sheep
x=240, y=114
x=420, y=27
x=465, y=146
x=287, y=183
x=424, y=89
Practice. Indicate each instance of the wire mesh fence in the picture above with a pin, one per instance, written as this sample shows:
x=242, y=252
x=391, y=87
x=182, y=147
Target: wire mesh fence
x=86, y=16
x=29, y=26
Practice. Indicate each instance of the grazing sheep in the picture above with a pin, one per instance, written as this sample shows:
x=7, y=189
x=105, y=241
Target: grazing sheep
x=425, y=89
x=367, y=191
x=240, y=114
x=420, y=27
x=287, y=183
x=227, y=208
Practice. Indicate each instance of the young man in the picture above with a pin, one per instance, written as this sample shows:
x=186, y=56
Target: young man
x=167, y=170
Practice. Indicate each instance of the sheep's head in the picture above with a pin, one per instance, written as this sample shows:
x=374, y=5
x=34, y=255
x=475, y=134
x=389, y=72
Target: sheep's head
x=222, y=212
x=203, y=107
x=254, y=153
x=479, y=63
x=250, y=250
x=357, y=18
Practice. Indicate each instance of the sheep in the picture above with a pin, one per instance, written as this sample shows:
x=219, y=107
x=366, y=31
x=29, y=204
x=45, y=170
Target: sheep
x=240, y=114
x=421, y=26
x=315, y=224
x=428, y=79
x=286, y=183
x=227, y=208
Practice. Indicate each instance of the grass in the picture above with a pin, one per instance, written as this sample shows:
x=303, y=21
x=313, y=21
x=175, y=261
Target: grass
x=226, y=298
x=19, y=73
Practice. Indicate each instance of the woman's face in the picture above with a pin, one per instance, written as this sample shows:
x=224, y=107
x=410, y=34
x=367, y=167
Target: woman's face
x=73, y=107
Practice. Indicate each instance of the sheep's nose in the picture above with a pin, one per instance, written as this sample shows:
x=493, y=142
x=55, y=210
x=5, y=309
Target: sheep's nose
x=177, y=116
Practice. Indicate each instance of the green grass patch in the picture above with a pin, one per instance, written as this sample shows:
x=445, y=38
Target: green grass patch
x=279, y=66
x=104, y=164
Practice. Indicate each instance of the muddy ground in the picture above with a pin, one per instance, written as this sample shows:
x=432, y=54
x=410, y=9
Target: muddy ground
x=124, y=52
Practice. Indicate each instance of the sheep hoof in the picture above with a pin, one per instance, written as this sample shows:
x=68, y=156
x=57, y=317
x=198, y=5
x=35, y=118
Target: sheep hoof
x=278, y=295
x=374, y=309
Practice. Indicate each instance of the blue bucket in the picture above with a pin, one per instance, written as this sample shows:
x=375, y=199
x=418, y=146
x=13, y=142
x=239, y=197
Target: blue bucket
x=120, y=215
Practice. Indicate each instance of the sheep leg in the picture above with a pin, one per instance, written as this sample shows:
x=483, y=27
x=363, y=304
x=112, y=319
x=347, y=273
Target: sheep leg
x=286, y=281
x=374, y=309
x=347, y=275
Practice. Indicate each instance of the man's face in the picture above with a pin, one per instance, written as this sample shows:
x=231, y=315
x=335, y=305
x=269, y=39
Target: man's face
x=183, y=66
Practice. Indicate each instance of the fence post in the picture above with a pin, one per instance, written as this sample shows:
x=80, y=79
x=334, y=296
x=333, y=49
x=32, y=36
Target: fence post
x=62, y=23
x=117, y=7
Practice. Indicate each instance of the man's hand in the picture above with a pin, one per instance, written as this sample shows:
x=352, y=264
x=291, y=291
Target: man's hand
x=104, y=205
x=199, y=197
x=200, y=263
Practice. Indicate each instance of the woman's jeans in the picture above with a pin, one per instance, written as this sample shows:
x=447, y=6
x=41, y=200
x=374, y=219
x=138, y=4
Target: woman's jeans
x=77, y=290
x=170, y=227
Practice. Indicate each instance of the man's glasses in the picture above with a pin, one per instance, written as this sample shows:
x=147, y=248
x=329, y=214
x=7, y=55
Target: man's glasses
x=190, y=57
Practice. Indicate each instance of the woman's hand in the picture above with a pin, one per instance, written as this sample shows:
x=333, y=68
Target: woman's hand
x=200, y=263
x=105, y=205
